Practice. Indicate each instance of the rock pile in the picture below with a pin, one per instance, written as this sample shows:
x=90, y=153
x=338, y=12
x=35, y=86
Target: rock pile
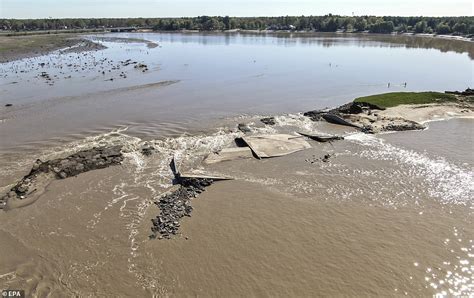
x=315, y=159
x=244, y=128
x=47, y=78
x=467, y=92
x=84, y=161
x=142, y=67
x=375, y=123
x=177, y=205
x=147, y=149
x=316, y=115
x=355, y=108
x=363, y=116
x=268, y=120
x=73, y=165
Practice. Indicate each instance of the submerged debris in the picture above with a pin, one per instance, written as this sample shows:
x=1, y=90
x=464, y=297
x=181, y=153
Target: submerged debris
x=268, y=120
x=244, y=128
x=322, y=139
x=176, y=205
x=314, y=159
x=147, y=149
x=141, y=66
x=326, y=157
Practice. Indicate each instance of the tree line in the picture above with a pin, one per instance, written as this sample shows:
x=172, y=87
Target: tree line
x=327, y=23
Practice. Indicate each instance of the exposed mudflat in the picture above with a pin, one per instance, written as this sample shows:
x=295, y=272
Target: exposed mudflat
x=20, y=47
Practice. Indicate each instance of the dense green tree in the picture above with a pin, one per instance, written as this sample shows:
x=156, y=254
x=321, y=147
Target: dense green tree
x=226, y=22
x=402, y=28
x=328, y=23
x=443, y=28
x=382, y=27
x=420, y=27
x=360, y=24
x=460, y=28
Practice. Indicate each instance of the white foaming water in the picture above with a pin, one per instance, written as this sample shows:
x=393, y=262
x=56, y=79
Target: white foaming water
x=448, y=182
x=112, y=138
x=148, y=177
x=296, y=120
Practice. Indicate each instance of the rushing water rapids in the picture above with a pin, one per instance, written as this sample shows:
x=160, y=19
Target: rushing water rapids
x=389, y=214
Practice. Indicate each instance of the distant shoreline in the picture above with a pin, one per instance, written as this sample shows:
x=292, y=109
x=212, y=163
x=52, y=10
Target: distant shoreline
x=441, y=36
x=98, y=31
x=31, y=44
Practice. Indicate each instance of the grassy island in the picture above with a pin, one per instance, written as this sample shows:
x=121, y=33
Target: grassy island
x=387, y=100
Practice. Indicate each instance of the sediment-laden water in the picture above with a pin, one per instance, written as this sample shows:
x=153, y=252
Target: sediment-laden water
x=388, y=214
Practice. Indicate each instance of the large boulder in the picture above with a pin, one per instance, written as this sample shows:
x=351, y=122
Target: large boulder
x=316, y=115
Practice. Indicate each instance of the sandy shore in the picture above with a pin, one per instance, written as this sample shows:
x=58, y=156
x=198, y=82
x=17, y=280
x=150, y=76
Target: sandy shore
x=429, y=112
x=148, y=43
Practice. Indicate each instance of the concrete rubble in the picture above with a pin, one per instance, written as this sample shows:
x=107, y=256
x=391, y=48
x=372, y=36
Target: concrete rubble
x=227, y=154
x=272, y=145
x=268, y=120
x=363, y=117
x=42, y=172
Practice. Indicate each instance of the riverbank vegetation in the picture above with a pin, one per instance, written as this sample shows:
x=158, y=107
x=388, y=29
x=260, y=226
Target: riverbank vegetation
x=387, y=100
x=328, y=23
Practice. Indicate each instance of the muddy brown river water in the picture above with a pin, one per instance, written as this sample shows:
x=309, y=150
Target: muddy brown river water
x=388, y=215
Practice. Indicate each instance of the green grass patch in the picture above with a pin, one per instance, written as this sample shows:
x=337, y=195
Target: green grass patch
x=387, y=100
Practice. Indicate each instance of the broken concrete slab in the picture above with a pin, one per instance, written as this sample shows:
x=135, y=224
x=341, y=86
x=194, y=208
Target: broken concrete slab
x=181, y=176
x=316, y=115
x=335, y=119
x=198, y=175
x=228, y=154
x=273, y=145
x=176, y=202
x=321, y=139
